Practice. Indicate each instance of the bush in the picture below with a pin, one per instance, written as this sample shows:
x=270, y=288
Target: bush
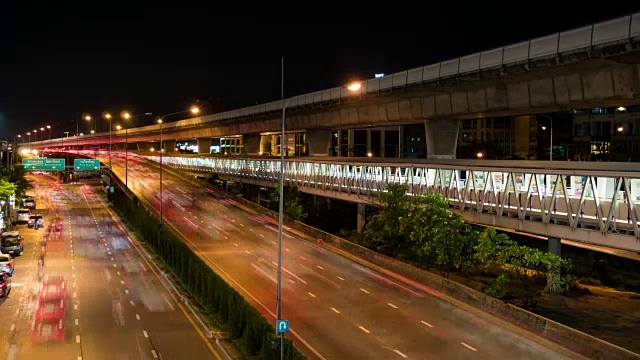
x=218, y=299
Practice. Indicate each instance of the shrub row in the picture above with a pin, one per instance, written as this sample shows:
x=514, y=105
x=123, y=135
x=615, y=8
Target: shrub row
x=243, y=323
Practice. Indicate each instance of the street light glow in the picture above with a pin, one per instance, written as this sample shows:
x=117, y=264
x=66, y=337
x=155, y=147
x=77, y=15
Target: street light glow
x=41, y=129
x=159, y=121
x=354, y=86
x=126, y=115
x=544, y=128
x=93, y=131
x=87, y=117
x=622, y=108
x=620, y=129
x=195, y=110
x=479, y=154
x=118, y=127
x=48, y=126
x=107, y=116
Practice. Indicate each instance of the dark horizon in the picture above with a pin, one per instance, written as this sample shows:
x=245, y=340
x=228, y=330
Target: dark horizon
x=61, y=62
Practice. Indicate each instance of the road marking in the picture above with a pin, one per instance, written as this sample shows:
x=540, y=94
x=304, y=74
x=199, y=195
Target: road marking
x=241, y=224
x=144, y=332
x=111, y=259
x=75, y=307
x=291, y=281
x=262, y=235
x=13, y=327
x=226, y=238
x=250, y=229
x=364, y=329
x=132, y=303
x=393, y=306
x=114, y=265
x=78, y=339
x=364, y=291
x=73, y=267
x=137, y=316
x=74, y=294
x=311, y=294
x=319, y=267
x=118, y=272
x=121, y=282
x=73, y=275
x=77, y=322
x=273, y=242
x=126, y=291
x=399, y=353
x=154, y=353
x=340, y=278
x=426, y=323
x=287, y=250
x=468, y=346
x=235, y=244
x=247, y=251
x=303, y=258
x=73, y=285
x=335, y=310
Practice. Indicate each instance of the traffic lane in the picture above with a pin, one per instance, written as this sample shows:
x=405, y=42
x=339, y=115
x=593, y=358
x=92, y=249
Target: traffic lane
x=461, y=345
x=144, y=301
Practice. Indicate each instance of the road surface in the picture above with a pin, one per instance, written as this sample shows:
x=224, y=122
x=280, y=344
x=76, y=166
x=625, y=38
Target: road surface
x=337, y=309
x=116, y=306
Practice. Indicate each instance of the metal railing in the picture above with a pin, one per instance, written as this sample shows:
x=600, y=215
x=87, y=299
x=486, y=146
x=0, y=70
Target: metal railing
x=591, y=206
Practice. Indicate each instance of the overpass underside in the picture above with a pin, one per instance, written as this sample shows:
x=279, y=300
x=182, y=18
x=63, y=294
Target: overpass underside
x=595, y=207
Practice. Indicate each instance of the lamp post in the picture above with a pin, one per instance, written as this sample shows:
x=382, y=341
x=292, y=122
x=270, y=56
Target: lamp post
x=49, y=128
x=353, y=88
x=194, y=110
x=35, y=135
x=29, y=134
x=108, y=117
x=126, y=156
x=550, y=135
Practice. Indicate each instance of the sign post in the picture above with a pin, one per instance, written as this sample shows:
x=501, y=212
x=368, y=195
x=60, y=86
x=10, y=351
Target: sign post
x=43, y=164
x=86, y=164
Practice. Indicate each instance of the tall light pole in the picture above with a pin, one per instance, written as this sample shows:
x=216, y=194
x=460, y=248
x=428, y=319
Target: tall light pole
x=354, y=88
x=29, y=134
x=49, y=128
x=108, y=117
x=35, y=135
x=550, y=135
x=126, y=157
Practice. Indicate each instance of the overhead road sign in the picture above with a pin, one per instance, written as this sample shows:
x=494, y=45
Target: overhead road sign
x=43, y=164
x=86, y=164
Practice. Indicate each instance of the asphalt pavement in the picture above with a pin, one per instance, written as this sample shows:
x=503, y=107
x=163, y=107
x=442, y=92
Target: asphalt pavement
x=114, y=305
x=337, y=308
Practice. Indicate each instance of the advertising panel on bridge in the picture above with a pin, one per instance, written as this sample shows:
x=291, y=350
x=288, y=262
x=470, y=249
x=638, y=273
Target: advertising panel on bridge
x=86, y=164
x=43, y=164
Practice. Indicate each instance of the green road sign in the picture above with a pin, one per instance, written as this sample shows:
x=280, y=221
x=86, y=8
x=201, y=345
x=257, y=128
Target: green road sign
x=86, y=164
x=43, y=164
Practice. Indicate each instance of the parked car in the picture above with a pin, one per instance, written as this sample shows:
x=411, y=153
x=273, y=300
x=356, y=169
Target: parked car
x=6, y=264
x=22, y=216
x=5, y=285
x=35, y=221
x=28, y=202
x=12, y=243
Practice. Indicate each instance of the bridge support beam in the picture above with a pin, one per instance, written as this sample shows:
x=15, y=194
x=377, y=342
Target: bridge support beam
x=361, y=217
x=554, y=275
x=442, y=138
x=318, y=142
x=169, y=146
x=204, y=145
x=251, y=144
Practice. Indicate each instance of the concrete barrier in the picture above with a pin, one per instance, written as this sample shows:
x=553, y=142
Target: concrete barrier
x=448, y=290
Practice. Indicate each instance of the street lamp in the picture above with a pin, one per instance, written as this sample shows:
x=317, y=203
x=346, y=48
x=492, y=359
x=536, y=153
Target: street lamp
x=126, y=156
x=29, y=134
x=354, y=87
x=49, y=128
x=35, y=135
x=108, y=117
x=550, y=135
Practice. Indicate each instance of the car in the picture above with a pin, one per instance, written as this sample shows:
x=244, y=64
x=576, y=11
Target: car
x=6, y=264
x=12, y=243
x=22, y=216
x=28, y=202
x=51, y=310
x=47, y=330
x=52, y=292
x=35, y=221
x=5, y=285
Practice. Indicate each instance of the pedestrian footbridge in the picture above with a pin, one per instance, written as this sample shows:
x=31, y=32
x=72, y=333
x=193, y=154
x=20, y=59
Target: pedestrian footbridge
x=594, y=203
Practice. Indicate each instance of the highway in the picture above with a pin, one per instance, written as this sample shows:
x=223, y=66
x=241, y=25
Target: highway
x=337, y=309
x=114, y=304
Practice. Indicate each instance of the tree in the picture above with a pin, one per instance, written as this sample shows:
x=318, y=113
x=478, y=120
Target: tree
x=6, y=189
x=293, y=208
x=390, y=227
x=440, y=237
x=18, y=178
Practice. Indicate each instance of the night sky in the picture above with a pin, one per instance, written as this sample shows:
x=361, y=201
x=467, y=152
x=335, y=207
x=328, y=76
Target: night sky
x=58, y=62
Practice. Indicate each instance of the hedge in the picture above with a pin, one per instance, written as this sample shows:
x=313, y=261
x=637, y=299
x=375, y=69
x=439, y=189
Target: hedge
x=254, y=334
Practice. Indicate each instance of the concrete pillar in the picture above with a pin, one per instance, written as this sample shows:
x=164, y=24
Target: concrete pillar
x=204, y=145
x=339, y=143
x=522, y=139
x=318, y=142
x=361, y=217
x=442, y=138
x=368, y=140
x=554, y=275
x=169, y=146
x=251, y=144
x=382, y=145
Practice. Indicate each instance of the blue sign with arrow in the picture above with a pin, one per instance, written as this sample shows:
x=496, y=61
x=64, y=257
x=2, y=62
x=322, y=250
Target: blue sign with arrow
x=282, y=326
